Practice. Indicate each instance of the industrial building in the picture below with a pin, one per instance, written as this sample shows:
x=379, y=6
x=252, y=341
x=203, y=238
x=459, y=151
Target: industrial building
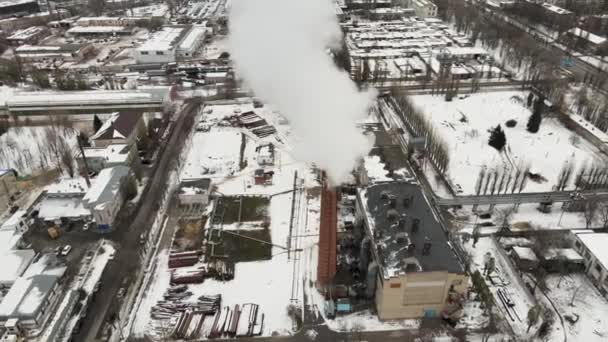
x=40, y=103
x=194, y=193
x=412, y=269
x=170, y=43
x=63, y=53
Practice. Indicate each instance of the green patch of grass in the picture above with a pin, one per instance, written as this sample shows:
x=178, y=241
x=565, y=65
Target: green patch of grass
x=239, y=248
x=253, y=208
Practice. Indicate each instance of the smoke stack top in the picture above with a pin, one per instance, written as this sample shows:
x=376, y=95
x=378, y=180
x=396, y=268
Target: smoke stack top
x=280, y=48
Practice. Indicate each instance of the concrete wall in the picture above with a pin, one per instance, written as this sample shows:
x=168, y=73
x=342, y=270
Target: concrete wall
x=416, y=294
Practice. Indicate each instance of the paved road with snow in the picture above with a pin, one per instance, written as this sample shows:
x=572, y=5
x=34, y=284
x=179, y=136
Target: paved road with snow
x=129, y=229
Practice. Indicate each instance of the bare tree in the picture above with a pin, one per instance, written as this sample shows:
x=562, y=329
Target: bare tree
x=590, y=211
x=604, y=214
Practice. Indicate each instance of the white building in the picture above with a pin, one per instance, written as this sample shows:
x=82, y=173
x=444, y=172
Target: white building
x=104, y=157
x=194, y=192
x=424, y=8
x=192, y=41
x=592, y=246
x=170, y=43
x=104, y=198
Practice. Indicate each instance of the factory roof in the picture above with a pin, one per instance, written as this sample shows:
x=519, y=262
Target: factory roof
x=390, y=211
x=163, y=40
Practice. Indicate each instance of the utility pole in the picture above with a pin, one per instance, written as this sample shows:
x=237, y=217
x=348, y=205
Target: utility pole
x=84, y=159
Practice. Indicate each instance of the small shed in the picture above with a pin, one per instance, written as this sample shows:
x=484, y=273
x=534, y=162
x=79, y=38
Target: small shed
x=265, y=154
x=525, y=258
x=563, y=260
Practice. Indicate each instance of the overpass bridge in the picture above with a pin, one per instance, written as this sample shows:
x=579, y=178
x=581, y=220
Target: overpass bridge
x=520, y=198
x=42, y=103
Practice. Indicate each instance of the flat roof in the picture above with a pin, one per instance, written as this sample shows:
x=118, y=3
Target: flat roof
x=98, y=29
x=54, y=208
x=586, y=35
x=163, y=40
x=66, y=186
x=195, y=33
x=9, y=239
x=106, y=185
x=8, y=3
x=26, y=33
x=14, y=263
x=394, y=258
x=525, y=253
x=115, y=153
x=26, y=297
x=45, y=98
x=596, y=243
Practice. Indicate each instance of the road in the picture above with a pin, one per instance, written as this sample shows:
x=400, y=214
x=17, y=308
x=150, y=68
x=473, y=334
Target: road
x=129, y=229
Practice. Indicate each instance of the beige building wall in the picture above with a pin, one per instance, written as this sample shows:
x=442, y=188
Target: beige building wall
x=416, y=295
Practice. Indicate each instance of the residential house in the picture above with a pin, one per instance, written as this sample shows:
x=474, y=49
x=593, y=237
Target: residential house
x=120, y=128
x=410, y=267
x=105, y=198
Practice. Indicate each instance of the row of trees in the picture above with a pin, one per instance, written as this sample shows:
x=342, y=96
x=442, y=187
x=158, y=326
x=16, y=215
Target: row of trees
x=436, y=148
x=497, y=181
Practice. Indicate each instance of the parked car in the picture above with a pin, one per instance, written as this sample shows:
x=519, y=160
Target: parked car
x=66, y=250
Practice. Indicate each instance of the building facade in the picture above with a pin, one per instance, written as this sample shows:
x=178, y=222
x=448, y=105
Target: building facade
x=592, y=246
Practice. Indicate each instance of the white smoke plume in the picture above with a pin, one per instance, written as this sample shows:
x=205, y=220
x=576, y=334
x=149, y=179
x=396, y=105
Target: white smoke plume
x=280, y=49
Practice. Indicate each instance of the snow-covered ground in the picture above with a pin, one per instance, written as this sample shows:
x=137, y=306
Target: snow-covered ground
x=465, y=124
x=366, y=321
x=576, y=296
x=27, y=149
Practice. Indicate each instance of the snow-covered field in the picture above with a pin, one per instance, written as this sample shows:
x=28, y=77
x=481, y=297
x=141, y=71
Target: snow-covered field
x=465, y=123
x=27, y=149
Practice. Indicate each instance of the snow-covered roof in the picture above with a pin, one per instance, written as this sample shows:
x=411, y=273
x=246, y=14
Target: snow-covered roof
x=45, y=98
x=54, y=208
x=67, y=186
x=105, y=186
x=118, y=126
x=195, y=33
x=115, y=153
x=569, y=254
x=14, y=219
x=596, y=244
x=9, y=3
x=14, y=262
x=163, y=40
x=588, y=36
x=525, y=253
x=27, y=296
x=97, y=29
x=9, y=239
x=555, y=9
